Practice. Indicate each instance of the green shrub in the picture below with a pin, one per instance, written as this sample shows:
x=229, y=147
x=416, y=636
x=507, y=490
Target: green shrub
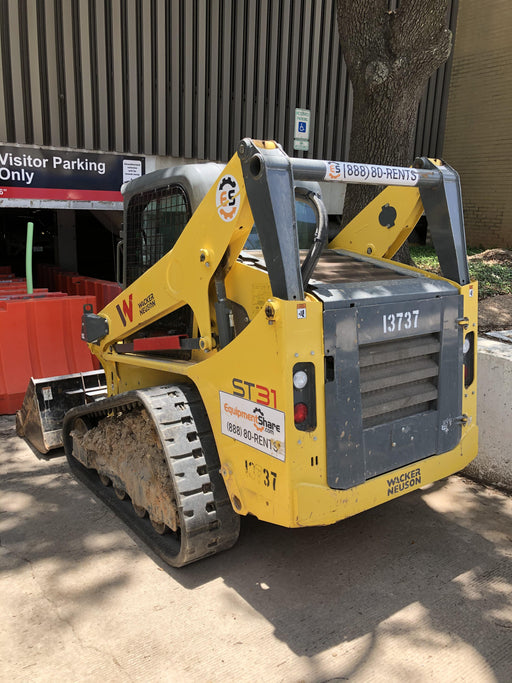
x=493, y=278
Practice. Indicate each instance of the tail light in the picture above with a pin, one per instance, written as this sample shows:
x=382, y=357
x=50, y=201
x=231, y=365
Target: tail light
x=300, y=413
x=468, y=352
x=304, y=396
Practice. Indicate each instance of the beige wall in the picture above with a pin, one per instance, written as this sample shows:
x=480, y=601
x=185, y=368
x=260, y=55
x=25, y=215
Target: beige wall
x=478, y=138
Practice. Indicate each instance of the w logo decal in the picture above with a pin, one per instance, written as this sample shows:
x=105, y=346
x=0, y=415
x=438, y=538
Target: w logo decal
x=127, y=311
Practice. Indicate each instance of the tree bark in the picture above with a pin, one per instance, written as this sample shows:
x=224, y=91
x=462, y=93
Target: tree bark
x=390, y=57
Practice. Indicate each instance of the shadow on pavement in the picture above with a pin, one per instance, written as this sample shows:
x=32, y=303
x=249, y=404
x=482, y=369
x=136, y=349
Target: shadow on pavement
x=448, y=559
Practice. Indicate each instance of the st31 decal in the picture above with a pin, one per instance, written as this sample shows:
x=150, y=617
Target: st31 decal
x=254, y=392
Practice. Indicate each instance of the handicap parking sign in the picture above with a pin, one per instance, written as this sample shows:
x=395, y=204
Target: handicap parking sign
x=302, y=129
x=302, y=124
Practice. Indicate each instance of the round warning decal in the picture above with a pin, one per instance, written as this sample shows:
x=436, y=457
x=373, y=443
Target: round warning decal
x=228, y=198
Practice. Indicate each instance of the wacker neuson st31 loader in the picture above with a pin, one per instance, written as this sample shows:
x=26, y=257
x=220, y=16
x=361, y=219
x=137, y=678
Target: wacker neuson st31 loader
x=255, y=364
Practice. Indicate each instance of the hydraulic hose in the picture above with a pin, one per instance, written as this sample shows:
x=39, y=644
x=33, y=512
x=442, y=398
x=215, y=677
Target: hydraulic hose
x=320, y=236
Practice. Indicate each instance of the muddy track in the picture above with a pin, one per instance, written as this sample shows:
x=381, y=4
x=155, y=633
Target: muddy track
x=205, y=522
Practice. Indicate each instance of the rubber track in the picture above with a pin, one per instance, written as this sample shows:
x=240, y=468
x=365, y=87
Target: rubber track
x=207, y=520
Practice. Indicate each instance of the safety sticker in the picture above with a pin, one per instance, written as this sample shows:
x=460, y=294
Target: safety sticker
x=370, y=174
x=227, y=198
x=47, y=394
x=301, y=311
x=254, y=424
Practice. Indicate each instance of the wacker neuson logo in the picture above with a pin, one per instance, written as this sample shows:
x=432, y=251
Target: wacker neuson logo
x=404, y=481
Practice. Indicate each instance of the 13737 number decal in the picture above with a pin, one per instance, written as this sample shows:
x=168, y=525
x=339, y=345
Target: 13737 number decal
x=402, y=320
x=261, y=474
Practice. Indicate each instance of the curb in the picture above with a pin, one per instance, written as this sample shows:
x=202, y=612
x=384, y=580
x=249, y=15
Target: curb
x=493, y=464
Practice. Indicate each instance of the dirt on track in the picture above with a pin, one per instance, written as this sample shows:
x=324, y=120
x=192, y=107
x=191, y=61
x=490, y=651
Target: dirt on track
x=126, y=448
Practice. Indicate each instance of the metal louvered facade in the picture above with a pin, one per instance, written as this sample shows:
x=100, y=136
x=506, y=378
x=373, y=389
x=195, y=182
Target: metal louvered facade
x=182, y=78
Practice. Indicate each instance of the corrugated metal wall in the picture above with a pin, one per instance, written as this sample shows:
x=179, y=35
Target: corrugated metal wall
x=181, y=78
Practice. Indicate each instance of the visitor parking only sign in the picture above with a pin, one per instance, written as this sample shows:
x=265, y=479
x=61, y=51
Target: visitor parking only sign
x=39, y=173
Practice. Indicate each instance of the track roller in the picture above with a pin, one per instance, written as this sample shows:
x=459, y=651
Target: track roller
x=139, y=510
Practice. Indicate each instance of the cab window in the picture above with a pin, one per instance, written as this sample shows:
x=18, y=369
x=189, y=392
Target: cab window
x=155, y=220
x=306, y=225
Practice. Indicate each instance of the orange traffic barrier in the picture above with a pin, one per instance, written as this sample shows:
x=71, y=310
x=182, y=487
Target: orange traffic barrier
x=42, y=275
x=109, y=291
x=43, y=294
x=62, y=280
x=16, y=288
x=40, y=338
x=65, y=281
x=104, y=290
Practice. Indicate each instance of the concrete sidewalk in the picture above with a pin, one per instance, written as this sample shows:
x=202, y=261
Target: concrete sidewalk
x=419, y=589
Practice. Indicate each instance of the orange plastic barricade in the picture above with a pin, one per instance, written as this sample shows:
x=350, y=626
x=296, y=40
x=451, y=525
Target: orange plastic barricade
x=63, y=280
x=40, y=338
x=37, y=294
x=106, y=292
x=43, y=275
x=57, y=279
x=76, y=284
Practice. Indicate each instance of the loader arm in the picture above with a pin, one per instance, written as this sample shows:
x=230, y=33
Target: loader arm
x=257, y=187
x=217, y=230
x=381, y=228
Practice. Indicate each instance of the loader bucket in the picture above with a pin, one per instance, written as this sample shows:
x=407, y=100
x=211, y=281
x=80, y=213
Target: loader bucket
x=47, y=400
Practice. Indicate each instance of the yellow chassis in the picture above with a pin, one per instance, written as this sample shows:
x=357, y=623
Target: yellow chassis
x=280, y=477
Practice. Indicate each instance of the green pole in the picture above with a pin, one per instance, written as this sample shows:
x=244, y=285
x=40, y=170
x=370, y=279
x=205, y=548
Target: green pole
x=28, y=258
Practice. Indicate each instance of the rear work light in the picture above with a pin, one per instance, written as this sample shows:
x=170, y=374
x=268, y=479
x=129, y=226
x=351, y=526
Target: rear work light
x=304, y=396
x=300, y=379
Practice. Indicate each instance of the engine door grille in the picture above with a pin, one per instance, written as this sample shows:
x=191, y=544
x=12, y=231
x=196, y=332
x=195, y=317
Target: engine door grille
x=398, y=378
x=393, y=392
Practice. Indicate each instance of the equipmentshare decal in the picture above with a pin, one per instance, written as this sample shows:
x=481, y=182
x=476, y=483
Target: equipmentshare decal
x=370, y=174
x=227, y=198
x=253, y=424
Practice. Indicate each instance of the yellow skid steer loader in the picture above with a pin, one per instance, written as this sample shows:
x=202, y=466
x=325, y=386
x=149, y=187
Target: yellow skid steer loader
x=252, y=366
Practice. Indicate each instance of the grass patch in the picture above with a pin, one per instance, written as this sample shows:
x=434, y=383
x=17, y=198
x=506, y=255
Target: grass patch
x=493, y=278
x=425, y=258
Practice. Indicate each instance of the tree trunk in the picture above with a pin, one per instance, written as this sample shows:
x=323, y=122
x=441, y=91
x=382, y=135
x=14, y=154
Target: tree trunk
x=390, y=57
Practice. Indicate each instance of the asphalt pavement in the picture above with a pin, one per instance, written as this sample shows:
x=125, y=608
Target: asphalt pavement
x=419, y=589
